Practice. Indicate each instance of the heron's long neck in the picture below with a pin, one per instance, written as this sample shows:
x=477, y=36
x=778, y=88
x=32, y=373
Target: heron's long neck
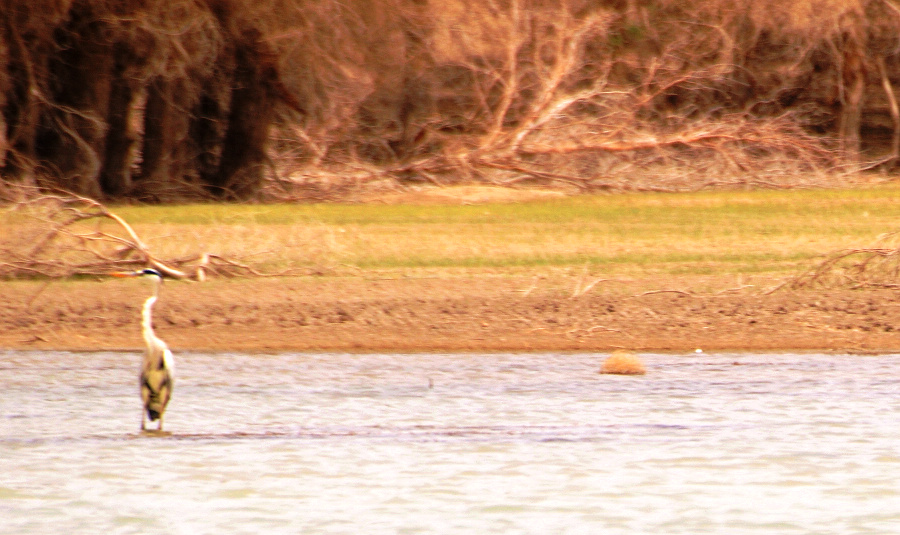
x=147, y=319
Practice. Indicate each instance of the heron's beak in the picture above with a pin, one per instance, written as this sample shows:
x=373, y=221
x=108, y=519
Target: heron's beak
x=123, y=274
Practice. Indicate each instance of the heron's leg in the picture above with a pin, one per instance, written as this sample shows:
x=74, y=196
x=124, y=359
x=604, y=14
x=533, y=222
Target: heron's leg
x=160, y=423
x=143, y=420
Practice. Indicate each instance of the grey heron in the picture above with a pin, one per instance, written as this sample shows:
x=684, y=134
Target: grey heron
x=158, y=369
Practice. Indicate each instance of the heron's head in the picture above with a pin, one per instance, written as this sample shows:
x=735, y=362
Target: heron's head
x=145, y=273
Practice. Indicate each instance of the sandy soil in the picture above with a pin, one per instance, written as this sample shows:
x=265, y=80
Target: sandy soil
x=481, y=312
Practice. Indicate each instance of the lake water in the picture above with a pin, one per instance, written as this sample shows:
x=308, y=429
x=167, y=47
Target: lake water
x=473, y=444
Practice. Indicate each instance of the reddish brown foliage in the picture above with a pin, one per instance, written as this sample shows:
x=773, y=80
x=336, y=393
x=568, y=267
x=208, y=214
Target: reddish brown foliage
x=161, y=101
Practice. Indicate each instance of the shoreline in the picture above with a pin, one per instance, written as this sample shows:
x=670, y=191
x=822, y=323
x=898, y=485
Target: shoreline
x=472, y=313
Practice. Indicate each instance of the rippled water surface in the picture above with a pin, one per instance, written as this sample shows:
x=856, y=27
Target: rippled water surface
x=535, y=443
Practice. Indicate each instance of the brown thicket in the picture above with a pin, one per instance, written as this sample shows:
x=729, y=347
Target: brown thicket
x=241, y=99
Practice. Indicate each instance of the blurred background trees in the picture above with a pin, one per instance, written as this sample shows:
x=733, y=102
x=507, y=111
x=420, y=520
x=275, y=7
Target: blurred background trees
x=241, y=99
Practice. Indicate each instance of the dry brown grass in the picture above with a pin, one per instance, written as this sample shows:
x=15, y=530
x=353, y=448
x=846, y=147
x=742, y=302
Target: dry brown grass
x=623, y=363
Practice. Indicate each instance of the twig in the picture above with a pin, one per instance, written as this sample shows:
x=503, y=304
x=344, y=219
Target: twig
x=653, y=292
x=591, y=330
x=581, y=288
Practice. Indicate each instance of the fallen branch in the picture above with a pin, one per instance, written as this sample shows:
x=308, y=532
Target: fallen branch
x=588, y=331
x=736, y=151
x=61, y=245
x=856, y=268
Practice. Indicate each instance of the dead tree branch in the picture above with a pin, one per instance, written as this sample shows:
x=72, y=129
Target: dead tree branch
x=855, y=268
x=63, y=235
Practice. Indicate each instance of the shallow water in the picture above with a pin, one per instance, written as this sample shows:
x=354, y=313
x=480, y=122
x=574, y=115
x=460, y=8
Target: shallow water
x=534, y=443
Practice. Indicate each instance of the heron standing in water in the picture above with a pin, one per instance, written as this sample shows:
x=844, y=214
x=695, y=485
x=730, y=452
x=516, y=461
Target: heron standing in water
x=158, y=370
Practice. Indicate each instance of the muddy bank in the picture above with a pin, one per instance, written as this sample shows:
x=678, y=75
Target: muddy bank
x=467, y=313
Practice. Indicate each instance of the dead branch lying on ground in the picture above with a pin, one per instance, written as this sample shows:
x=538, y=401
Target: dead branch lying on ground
x=63, y=235
x=735, y=152
x=874, y=267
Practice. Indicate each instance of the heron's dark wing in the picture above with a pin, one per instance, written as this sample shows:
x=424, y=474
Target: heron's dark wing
x=156, y=386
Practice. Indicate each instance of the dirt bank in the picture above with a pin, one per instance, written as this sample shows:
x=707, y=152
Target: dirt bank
x=481, y=312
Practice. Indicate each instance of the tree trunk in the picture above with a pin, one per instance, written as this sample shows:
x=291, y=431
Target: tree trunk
x=854, y=87
x=26, y=67
x=893, y=107
x=166, y=124
x=207, y=131
x=243, y=156
x=115, y=176
x=73, y=134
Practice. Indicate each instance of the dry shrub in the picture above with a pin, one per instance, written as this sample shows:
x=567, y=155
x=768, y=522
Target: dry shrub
x=877, y=266
x=666, y=96
x=623, y=363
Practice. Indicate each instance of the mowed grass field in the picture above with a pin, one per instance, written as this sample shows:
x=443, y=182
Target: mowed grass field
x=752, y=232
